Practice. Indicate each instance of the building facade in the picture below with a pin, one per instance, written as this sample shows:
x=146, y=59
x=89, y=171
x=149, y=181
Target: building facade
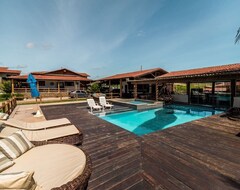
x=51, y=82
x=5, y=73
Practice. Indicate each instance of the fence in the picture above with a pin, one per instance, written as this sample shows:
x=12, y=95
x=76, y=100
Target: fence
x=56, y=92
x=8, y=106
x=112, y=95
x=46, y=92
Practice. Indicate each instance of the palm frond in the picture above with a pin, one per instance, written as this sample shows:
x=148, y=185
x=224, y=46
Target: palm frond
x=237, y=37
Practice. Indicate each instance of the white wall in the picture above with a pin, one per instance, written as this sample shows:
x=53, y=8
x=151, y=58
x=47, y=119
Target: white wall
x=55, y=85
x=180, y=98
x=236, y=102
x=123, y=86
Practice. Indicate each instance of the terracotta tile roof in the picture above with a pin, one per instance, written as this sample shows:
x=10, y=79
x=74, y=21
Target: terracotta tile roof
x=6, y=70
x=84, y=74
x=45, y=72
x=38, y=72
x=133, y=74
x=52, y=77
x=206, y=71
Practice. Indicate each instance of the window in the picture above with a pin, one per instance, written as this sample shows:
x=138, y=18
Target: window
x=69, y=83
x=41, y=83
x=201, y=93
x=180, y=88
x=222, y=94
x=51, y=83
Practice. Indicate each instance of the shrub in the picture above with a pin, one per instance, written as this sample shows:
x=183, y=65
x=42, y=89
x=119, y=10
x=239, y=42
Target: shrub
x=6, y=87
x=19, y=96
x=5, y=96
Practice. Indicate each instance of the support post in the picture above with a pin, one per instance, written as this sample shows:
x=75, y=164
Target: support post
x=135, y=90
x=12, y=86
x=120, y=88
x=75, y=85
x=157, y=83
x=213, y=94
x=110, y=93
x=233, y=90
x=8, y=107
x=188, y=92
x=4, y=107
x=38, y=85
x=58, y=87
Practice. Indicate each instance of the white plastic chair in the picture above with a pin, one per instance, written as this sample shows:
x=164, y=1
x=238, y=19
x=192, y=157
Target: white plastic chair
x=93, y=105
x=104, y=103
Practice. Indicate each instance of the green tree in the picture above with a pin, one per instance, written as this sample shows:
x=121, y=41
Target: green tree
x=6, y=87
x=237, y=37
x=94, y=88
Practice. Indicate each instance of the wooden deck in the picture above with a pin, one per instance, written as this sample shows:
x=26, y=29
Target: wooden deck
x=203, y=154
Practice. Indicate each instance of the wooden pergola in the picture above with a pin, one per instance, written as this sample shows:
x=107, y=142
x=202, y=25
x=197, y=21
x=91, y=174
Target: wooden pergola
x=124, y=80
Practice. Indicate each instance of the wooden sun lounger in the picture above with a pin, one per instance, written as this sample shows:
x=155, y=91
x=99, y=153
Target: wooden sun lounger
x=37, y=125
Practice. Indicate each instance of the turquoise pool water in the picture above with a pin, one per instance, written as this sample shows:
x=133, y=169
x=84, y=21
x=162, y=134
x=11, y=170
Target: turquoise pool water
x=141, y=123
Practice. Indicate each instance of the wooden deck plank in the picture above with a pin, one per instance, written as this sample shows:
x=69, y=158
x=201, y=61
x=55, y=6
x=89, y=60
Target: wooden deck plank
x=181, y=166
x=202, y=154
x=225, y=125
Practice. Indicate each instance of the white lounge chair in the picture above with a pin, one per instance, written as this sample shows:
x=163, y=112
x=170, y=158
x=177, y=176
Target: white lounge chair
x=93, y=105
x=104, y=103
x=36, y=125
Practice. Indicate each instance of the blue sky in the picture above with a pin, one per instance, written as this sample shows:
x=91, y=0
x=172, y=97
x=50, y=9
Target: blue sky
x=105, y=37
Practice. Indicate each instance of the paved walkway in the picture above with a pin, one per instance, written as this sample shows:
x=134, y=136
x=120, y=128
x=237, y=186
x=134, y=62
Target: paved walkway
x=26, y=113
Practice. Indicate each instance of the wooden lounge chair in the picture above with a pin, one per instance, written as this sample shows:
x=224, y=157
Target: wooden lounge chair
x=72, y=166
x=68, y=134
x=93, y=105
x=104, y=103
x=37, y=125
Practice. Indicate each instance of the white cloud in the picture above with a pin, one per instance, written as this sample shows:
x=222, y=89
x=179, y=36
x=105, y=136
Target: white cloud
x=45, y=45
x=140, y=33
x=30, y=45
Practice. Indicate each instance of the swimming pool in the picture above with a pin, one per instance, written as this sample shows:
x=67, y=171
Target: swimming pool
x=141, y=123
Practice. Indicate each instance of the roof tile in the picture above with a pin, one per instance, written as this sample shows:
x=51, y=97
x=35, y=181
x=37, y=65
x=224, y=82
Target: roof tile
x=202, y=71
x=133, y=74
x=52, y=77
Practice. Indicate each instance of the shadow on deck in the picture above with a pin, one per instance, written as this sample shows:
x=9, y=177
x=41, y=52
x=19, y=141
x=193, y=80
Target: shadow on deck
x=203, y=154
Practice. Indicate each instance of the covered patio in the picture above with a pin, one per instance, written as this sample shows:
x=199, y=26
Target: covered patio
x=120, y=85
x=216, y=86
